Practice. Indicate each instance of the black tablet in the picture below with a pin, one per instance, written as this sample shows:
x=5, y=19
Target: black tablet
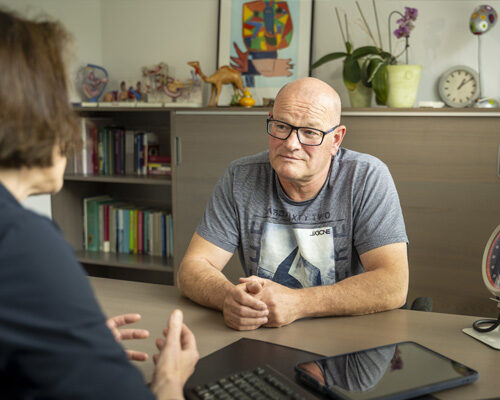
x=397, y=371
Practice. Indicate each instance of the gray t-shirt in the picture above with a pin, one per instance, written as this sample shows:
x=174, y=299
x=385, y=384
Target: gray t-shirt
x=309, y=243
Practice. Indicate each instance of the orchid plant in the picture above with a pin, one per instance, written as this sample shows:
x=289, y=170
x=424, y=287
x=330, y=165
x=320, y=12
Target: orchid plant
x=378, y=77
x=354, y=71
x=368, y=64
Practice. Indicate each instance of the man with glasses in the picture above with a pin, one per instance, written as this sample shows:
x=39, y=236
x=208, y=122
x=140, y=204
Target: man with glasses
x=319, y=228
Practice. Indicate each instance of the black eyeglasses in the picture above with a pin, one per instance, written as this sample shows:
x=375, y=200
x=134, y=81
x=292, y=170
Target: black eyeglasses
x=307, y=136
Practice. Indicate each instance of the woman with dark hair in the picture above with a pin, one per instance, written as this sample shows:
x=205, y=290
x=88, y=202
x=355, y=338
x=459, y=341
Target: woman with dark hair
x=54, y=339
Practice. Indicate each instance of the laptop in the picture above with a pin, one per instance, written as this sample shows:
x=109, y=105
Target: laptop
x=253, y=369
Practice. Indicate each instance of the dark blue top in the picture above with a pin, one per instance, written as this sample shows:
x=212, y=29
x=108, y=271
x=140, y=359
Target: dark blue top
x=53, y=339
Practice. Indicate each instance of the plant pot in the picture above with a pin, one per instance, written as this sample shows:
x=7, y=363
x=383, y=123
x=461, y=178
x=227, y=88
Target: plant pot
x=402, y=82
x=361, y=96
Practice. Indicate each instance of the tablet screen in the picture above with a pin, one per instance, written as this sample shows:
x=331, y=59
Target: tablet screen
x=403, y=369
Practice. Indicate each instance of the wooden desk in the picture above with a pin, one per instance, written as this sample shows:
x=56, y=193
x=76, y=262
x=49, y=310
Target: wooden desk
x=440, y=332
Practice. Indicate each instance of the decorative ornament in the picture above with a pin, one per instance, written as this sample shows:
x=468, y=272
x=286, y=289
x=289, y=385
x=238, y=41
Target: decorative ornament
x=93, y=81
x=247, y=99
x=483, y=18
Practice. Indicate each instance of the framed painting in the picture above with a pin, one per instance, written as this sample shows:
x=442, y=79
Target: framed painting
x=267, y=41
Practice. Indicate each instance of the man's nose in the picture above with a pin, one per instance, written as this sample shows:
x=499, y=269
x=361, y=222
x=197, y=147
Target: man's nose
x=292, y=141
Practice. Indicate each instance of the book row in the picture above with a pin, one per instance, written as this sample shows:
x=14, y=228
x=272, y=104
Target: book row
x=113, y=226
x=109, y=150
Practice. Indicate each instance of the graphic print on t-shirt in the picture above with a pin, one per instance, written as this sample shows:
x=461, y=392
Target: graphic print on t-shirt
x=297, y=257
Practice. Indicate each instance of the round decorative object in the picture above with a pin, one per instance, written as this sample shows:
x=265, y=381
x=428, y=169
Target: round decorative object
x=483, y=18
x=491, y=263
x=247, y=99
x=459, y=86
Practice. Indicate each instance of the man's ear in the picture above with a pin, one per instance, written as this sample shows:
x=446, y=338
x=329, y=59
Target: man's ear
x=338, y=136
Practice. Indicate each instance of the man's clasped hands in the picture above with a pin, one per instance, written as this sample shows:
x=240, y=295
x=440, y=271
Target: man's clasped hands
x=257, y=302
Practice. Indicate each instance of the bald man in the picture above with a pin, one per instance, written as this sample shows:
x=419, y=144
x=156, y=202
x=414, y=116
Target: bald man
x=319, y=228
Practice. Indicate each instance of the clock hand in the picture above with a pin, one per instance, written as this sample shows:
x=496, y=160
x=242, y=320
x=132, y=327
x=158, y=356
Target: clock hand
x=463, y=83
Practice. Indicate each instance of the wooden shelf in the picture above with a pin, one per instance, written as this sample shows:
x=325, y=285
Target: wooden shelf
x=141, y=180
x=135, y=261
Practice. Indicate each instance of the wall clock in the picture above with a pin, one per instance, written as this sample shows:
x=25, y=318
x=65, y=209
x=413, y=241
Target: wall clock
x=459, y=86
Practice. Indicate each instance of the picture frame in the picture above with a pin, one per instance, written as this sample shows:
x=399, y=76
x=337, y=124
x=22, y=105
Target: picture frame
x=268, y=42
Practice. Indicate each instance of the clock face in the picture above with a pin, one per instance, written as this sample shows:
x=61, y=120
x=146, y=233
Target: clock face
x=459, y=86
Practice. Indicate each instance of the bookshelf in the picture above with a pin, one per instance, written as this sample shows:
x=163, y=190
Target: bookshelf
x=141, y=191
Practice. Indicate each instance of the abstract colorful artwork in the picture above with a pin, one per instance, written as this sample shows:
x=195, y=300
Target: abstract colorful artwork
x=267, y=41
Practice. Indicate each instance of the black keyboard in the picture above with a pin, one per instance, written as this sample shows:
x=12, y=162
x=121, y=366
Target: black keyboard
x=260, y=383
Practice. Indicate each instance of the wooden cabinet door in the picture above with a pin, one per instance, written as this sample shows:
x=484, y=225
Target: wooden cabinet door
x=204, y=143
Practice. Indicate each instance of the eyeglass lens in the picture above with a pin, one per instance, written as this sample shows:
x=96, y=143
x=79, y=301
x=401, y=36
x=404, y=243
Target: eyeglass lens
x=282, y=130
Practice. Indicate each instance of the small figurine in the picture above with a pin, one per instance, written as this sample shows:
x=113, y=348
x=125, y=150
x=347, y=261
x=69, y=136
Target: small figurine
x=110, y=96
x=224, y=75
x=123, y=95
x=247, y=99
x=135, y=93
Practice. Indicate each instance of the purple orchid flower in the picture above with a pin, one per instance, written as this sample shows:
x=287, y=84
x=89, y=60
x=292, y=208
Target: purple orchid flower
x=411, y=13
x=402, y=31
x=405, y=23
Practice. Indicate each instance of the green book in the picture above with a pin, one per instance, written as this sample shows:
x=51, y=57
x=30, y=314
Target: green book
x=91, y=221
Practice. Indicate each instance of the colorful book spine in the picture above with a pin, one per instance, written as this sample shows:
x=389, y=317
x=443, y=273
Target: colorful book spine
x=170, y=227
x=140, y=232
x=126, y=231
x=95, y=150
x=163, y=236
x=119, y=231
x=117, y=148
x=106, y=244
x=133, y=231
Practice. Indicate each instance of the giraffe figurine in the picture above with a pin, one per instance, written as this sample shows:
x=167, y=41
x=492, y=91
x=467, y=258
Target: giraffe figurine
x=224, y=75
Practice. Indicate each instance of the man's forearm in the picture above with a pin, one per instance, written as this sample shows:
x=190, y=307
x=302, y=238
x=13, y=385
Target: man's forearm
x=370, y=292
x=203, y=283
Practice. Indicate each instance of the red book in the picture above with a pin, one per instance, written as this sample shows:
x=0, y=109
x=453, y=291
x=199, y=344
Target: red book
x=140, y=232
x=159, y=159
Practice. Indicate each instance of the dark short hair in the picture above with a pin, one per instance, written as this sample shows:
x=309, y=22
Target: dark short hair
x=35, y=112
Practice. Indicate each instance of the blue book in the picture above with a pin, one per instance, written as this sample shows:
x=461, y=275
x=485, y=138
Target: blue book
x=126, y=231
x=171, y=235
x=163, y=236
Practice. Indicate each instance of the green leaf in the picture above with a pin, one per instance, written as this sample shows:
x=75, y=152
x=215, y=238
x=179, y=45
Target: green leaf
x=351, y=71
x=364, y=51
x=365, y=73
x=379, y=83
x=327, y=58
x=373, y=66
x=348, y=47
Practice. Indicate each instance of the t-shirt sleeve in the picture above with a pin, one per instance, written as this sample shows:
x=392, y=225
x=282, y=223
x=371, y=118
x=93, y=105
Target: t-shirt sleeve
x=55, y=343
x=378, y=219
x=219, y=224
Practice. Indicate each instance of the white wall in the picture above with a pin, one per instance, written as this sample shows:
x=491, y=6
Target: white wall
x=138, y=33
x=124, y=35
